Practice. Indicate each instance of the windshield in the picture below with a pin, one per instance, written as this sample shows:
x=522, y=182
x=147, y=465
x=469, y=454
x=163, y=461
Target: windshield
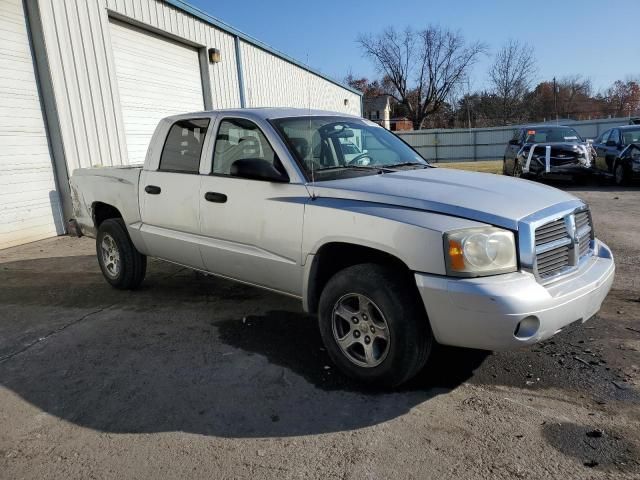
x=331, y=143
x=631, y=136
x=552, y=134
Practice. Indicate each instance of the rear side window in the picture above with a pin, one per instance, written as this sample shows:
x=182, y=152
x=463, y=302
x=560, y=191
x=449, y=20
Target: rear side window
x=183, y=146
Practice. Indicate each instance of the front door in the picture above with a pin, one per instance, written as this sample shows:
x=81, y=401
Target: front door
x=512, y=151
x=612, y=149
x=601, y=151
x=252, y=229
x=169, y=196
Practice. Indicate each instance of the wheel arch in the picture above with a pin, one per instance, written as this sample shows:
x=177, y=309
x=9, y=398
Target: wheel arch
x=334, y=256
x=101, y=211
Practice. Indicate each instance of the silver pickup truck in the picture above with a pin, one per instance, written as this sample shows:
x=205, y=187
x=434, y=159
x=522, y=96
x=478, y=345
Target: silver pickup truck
x=391, y=253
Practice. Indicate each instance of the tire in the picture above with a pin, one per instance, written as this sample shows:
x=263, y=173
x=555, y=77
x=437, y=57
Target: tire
x=517, y=169
x=621, y=174
x=382, y=301
x=121, y=264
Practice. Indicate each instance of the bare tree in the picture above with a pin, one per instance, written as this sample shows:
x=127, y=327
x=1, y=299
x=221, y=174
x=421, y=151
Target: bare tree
x=573, y=90
x=511, y=75
x=420, y=69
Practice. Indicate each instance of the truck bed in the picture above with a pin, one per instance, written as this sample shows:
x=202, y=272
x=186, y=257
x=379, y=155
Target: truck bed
x=117, y=186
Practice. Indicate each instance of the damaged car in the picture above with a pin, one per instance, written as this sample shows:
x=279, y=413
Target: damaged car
x=619, y=154
x=548, y=150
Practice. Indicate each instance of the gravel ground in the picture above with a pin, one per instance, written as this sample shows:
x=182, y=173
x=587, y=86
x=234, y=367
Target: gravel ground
x=197, y=377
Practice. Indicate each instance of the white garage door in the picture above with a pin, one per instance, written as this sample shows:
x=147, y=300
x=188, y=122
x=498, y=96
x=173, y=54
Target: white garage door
x=29, y=201
x=156, y=77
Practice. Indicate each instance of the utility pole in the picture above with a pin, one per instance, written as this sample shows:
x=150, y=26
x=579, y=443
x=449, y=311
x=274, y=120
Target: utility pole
x=555, y=98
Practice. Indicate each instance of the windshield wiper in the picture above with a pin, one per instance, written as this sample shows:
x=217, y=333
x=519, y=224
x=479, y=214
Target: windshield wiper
x=407, y=164
x=358, y=167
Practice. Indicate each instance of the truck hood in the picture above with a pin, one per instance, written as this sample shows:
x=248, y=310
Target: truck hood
x=484, y=197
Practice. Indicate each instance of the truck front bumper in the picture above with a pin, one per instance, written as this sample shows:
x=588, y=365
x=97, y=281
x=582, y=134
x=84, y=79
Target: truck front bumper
x=504, y=312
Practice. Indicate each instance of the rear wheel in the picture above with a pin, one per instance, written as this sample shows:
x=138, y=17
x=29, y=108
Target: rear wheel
x=121, y=264
x=373, y=325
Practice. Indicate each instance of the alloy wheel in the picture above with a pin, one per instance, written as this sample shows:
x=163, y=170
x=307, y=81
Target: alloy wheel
x=361, y=330
x=110, y=255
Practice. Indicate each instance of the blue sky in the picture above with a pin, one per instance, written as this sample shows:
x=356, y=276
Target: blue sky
x=594, y=38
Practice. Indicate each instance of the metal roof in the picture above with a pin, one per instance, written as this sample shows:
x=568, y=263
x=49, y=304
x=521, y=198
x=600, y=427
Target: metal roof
x=205, y=17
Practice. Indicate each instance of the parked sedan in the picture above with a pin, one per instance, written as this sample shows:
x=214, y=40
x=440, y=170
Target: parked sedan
x=618, y=152
x=543, y=150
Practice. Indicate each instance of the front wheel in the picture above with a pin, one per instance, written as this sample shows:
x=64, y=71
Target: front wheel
x=374, y=326
x=121, y=264
x=620, y=174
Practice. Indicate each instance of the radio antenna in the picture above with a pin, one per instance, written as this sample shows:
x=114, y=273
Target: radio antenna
x=309, y=133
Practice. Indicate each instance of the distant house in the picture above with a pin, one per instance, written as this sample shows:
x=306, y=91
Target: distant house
x=400, y=124
x=378, y=109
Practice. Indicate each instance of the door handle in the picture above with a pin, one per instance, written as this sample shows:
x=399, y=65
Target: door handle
x=215, y=197
x=152, y=189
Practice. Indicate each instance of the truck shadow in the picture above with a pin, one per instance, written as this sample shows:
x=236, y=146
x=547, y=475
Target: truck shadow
x=185, y=353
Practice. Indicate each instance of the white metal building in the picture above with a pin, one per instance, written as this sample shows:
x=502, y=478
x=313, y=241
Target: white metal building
x=84, y=82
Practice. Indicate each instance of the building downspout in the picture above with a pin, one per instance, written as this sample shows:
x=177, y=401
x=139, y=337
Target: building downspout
x=243, y=103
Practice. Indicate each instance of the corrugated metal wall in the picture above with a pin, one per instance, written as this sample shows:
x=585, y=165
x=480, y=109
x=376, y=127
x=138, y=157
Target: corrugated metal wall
x=271, y=81
x=29, y=200
x=470, y=144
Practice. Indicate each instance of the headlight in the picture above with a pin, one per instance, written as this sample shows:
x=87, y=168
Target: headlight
x=474, y=252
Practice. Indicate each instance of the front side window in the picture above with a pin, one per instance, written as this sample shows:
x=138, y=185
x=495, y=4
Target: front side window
x=630, y=136
x=183, y=146
x=331, y=143
x=614, y=137
x=240, y=139
x=605, y=136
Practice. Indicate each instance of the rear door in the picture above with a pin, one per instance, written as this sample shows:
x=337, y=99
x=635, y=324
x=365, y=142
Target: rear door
x=169, y=196
x=252, y=229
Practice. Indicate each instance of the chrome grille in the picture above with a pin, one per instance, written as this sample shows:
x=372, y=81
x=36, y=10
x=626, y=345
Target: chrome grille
x=551, y=231
x=552, y=261
x=561, y=243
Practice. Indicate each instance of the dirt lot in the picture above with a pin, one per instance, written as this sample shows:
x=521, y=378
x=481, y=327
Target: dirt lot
x=198, y=377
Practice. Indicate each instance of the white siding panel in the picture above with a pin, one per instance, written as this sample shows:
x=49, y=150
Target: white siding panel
x=29, y=201
x=273, y=82
x=156, y=78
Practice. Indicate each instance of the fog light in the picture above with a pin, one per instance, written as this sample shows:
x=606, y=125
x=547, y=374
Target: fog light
x=527, y=328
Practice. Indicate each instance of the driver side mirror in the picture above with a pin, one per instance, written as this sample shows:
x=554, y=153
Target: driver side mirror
x=257, y=169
